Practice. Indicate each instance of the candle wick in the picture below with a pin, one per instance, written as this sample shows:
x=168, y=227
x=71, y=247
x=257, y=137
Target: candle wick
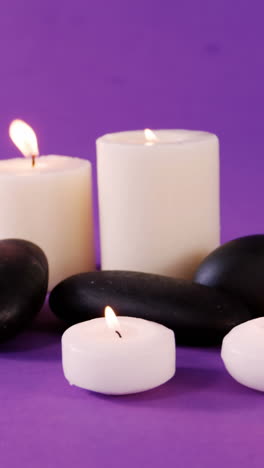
x=119, y=334
x=33, y=160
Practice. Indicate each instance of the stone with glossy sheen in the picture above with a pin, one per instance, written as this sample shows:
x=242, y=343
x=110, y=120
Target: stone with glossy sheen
x=23, y=284
x=199, y=315
x=237, y=268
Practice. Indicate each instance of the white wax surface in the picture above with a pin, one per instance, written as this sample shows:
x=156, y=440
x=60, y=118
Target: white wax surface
x=51, y=205
x=159, y=202
x=243, y=353
x=96, y=358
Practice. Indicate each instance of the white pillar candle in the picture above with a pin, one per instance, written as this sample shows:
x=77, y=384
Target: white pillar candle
x=243, y=353
x=50, y=204
x=158, y=199
x=132, y=355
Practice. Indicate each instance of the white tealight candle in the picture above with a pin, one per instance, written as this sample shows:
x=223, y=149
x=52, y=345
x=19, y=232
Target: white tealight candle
x=118, y=356
x=243, y=353
x=48, y=200
x=158, y=199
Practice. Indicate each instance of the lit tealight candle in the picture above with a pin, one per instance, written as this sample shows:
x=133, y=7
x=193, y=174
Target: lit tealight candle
x=118, y=356
x=48, y=200
x=243, y=353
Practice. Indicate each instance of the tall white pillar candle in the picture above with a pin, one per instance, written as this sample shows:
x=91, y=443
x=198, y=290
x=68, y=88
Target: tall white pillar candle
x=158, y=199
x=50, y=204
x=139, y=356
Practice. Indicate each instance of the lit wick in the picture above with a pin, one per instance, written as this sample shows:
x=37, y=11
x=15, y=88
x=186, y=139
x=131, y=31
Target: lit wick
x=112, y=321
x=25, y=139
x=150, y=137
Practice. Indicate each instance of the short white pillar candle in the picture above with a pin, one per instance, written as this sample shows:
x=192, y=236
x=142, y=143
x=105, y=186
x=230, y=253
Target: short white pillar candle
x=131, y=355
x=48, y=200
x=158, y=199
x=243, y=353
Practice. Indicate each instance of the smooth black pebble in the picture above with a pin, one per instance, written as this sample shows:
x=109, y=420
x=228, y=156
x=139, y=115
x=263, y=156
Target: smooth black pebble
x=23, y=284
x=237, y=267
x=199, y=315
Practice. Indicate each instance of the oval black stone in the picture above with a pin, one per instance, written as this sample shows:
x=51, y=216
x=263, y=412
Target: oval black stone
x=199, y=315
x=23, y=284
x=237, y=267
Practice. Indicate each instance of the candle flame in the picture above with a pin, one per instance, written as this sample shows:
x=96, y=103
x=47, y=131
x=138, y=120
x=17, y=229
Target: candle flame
x=24, y=137
x=112, y=320
x=150, y=136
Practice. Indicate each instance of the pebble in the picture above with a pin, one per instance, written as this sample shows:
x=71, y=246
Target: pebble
x=23, y=284
x=199, y=315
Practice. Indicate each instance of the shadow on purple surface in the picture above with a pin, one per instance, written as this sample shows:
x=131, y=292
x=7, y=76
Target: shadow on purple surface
x=196, y=389
x=40, y=342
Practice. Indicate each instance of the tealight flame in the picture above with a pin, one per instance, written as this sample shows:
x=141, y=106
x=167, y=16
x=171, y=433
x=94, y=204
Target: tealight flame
x=25, y=139
x=150, y=136
x=112, y=320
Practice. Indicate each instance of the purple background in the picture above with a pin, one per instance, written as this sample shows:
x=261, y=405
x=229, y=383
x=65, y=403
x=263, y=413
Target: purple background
x=75, y=70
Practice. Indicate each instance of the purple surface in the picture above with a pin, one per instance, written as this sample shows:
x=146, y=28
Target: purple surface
x=75, y=70
x=201, y=418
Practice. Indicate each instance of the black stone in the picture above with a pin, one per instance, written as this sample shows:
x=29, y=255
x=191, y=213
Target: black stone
x=199, y=315
x=237, y=267
x=23, y=284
